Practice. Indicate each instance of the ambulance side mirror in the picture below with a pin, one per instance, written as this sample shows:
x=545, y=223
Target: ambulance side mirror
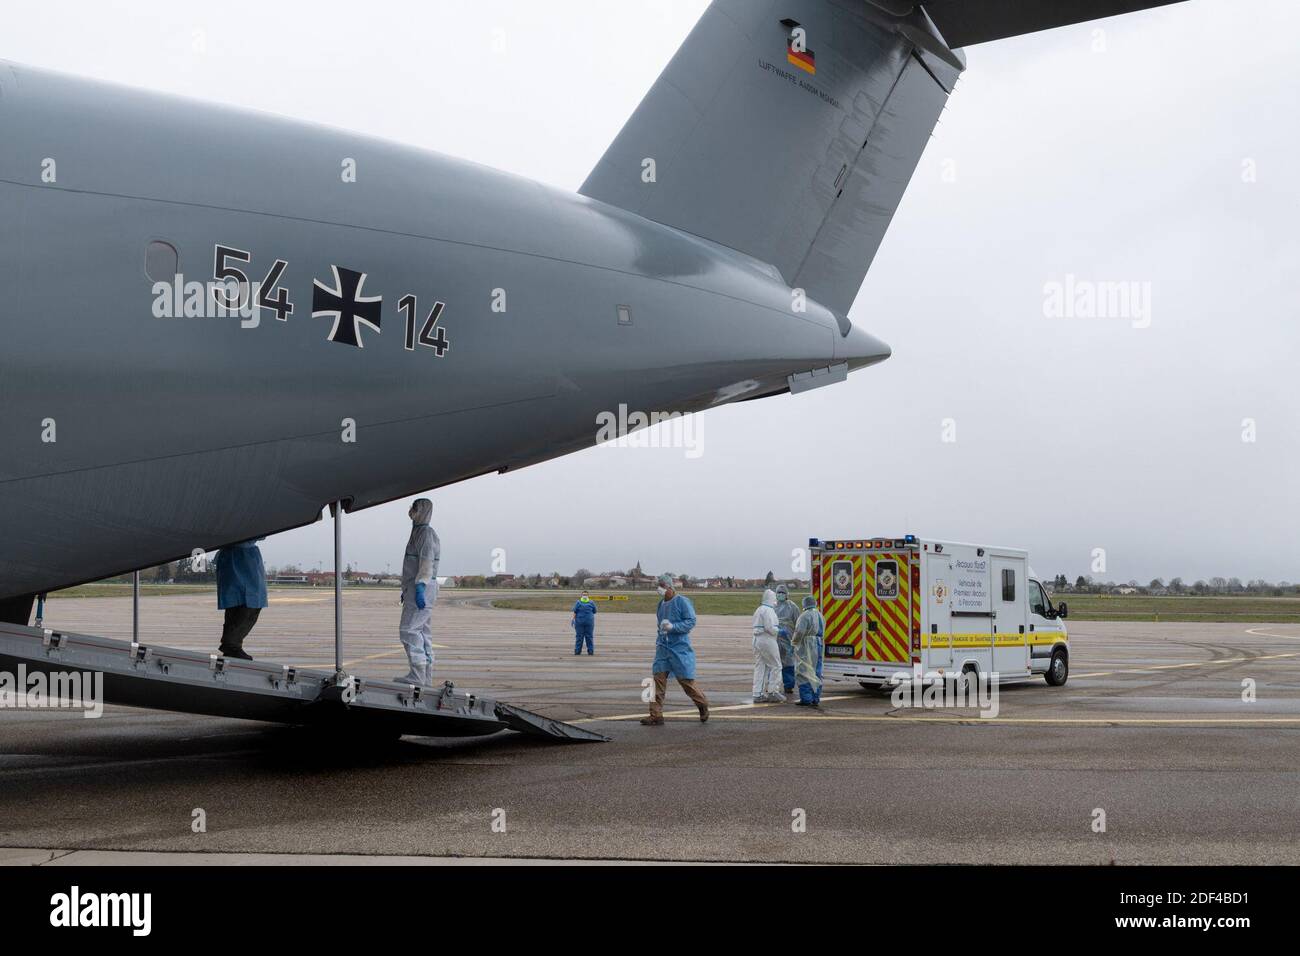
x=1062, y=611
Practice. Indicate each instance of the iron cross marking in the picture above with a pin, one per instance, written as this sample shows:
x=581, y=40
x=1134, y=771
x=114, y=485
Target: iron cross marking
x=346, y=306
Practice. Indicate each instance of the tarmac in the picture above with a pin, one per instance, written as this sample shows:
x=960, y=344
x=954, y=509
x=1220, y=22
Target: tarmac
x=1151, y=737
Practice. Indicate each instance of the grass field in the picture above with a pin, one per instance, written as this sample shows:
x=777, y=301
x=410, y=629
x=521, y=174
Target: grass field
x=124, y=590
x=1138, y=607
x=116, y=589
x=1082, y=607
x=640, y=602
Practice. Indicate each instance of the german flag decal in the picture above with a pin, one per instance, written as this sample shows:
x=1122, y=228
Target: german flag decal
x=805, y=60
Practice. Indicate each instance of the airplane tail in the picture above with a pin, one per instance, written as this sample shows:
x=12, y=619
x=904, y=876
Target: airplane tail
x=788, y=130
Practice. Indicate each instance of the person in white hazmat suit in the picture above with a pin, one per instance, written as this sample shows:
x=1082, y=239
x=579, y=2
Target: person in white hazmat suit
x=767, y=654
x=419, y=592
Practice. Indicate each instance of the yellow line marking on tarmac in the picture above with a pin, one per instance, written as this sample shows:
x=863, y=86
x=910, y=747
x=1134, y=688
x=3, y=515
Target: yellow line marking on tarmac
x=975, y=719
x=1170, y=667
x=371, y=657
x=690, y=713
x=749, y=709
x=1136, y=670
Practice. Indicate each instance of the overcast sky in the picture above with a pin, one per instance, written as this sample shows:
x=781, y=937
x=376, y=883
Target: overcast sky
x=1161, y=152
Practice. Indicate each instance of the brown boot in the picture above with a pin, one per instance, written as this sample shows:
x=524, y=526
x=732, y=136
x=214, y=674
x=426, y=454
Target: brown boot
x=652, y=721
x=704, y=713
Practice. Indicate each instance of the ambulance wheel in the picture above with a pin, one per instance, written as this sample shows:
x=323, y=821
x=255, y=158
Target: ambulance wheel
x=1058, y=671
x=970, y=675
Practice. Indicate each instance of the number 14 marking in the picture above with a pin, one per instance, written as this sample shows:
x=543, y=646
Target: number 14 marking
x=438, y=342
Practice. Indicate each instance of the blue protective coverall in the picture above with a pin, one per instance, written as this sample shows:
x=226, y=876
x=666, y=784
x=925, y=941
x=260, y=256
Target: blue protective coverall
x=584, y=626
x=241, y=576
x=241, y=593
x=673, y=652
x=674, y=655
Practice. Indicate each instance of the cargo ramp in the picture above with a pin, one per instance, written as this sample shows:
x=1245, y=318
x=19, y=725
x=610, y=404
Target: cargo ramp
x=168, y=678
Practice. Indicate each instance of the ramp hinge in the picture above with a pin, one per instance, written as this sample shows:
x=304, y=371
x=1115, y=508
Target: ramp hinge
x=216, y=663
x=448, y=691
x=140, y=653
x=348, y=687
x=288, y=675
x=54, y=640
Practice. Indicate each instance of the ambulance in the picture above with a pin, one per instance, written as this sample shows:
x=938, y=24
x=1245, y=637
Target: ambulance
x=892, y=604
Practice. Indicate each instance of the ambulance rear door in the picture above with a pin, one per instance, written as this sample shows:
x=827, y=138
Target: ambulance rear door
x=888, y=588
x=841, y=601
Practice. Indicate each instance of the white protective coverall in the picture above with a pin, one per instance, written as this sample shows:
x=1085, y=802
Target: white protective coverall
x=767, y=654
x=419, y=566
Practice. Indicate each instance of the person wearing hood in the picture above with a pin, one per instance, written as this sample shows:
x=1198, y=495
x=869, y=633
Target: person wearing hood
x=767, y=655
x=584, y=624
x=673, y=652
x=241, y=593
x=419, y=592
x=809, y=637
x=787, y=613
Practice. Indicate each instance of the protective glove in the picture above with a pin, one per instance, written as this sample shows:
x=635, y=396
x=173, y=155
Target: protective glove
x=783, y=633
x=419, y=596
x=665, y=626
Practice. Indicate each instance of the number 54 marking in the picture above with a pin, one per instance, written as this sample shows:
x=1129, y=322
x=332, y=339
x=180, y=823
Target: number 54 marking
x=438, y=342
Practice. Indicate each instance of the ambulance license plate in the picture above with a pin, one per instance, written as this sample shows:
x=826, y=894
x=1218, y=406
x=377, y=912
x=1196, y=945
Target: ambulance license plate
x=839, y=650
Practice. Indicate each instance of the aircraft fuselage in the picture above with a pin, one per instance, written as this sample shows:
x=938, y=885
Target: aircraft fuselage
x=131, y=438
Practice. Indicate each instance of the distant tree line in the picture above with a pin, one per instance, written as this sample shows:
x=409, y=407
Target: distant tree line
x=1230, y=587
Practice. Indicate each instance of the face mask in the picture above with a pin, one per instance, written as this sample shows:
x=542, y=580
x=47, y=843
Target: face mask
x=584, y=598
x=662, y=590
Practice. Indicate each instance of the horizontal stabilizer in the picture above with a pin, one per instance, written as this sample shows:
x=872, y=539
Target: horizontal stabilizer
x=966, y=22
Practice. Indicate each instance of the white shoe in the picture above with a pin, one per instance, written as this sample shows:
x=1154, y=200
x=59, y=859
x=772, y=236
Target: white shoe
x=775, y=698
x=408, y=678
